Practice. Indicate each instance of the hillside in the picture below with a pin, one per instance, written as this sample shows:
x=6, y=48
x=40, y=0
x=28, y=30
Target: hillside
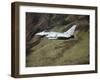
x=45, y=52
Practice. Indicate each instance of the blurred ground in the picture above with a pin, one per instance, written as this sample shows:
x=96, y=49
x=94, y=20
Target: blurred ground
x=45, y=52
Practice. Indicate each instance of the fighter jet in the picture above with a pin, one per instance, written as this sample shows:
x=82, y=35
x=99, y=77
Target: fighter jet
x=57, y=35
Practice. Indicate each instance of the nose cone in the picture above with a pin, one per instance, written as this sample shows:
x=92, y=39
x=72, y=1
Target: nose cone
x=38, y=33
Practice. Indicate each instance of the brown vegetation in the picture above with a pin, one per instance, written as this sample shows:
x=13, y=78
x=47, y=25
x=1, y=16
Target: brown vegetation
x=43, y=52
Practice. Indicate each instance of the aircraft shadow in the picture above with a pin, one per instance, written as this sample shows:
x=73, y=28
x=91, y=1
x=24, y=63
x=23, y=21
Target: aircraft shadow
x=64, y=38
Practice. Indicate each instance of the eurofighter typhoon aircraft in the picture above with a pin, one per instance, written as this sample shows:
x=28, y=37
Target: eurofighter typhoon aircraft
x=57, y=35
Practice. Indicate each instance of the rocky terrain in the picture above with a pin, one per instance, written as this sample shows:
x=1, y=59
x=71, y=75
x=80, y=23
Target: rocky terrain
x=41, y=51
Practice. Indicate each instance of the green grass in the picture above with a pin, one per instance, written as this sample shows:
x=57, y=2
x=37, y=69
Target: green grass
x=60, y=52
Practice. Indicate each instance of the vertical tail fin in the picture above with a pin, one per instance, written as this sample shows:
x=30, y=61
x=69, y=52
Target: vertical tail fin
x=71, y=30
